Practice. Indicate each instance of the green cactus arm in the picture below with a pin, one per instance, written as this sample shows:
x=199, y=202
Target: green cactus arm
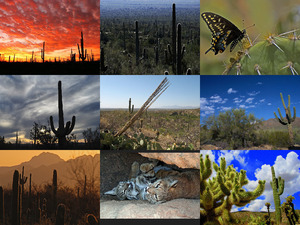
x=207, y=199
x=223, y=187
x=280, y=120
x=207, y=171
x=283, y=103
x=215, y=166
x=280, y=185
x=294, y=117
x=223, y=165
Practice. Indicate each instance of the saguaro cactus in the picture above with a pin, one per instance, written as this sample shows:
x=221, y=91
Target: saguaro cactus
x=278, y=188
x=174, y=37
x=60, y=215
x=15, y=199
x=54, y=189
x=43, y=52
x=180, y=52
x=288, y=120
x=82, y=54
x=62, y=130
x=1, y=205
x=137, y=43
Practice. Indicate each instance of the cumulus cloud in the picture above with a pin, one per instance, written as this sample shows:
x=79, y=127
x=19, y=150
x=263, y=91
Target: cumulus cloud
x=253, y=93
x=237, y=100
x=231, y=90
x=217, y=99
x=249, y=100
x=287, y=168
x=206, y=108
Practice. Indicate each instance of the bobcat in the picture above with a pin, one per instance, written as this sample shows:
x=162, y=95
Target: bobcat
x=134, y=188
x=180, y=185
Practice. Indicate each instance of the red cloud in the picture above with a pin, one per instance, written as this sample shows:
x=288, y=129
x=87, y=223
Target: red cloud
x=26, y=24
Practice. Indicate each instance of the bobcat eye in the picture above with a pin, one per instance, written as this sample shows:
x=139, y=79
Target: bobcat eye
x=157, y=185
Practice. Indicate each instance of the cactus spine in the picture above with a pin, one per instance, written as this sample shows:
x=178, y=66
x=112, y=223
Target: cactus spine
x=62, y=130
x=277, y=185
x=54, y=188
x=15, y=200
x=1, y=205
x=137, y=43
x=43, y=52
x=288, y=120
x=82, y=54
x=60, y=215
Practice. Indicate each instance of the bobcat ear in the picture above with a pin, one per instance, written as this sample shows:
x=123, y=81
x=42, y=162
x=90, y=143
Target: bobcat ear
x=111, y=192
x=173, y=183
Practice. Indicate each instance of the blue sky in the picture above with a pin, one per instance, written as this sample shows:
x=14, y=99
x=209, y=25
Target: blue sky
x=115, y=91
x=128, y=3
x=258, y=164
x=256, y=94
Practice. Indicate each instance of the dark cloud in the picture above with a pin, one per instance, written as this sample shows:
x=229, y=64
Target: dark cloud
x=28, y=99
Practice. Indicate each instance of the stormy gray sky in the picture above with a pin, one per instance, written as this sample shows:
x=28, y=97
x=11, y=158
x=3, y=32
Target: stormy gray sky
x=30, y=98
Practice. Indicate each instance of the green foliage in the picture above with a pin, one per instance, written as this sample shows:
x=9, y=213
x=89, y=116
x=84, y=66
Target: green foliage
x=220, y=193
x=232, y=127
x=277, y=185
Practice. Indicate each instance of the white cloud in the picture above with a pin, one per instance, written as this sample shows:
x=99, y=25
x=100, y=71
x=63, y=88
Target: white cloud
x=249, y=100
x=223, y=108
x=206, y=108
x=269, y=103
x=237, y=100
x=253, y=93
x=262, y=100
x=259, y=83
x=217, y=99
x=231, y=90
x=288, y=169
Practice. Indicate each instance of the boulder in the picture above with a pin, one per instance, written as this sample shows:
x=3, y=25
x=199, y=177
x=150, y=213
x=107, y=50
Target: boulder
x=182, y=160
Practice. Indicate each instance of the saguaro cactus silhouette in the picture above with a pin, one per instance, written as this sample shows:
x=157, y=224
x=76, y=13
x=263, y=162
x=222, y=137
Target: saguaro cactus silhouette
x=288, y=120
x=82, y=54
x=43, y=52
x=277, y=185
x=62, y=130
x=15, y=199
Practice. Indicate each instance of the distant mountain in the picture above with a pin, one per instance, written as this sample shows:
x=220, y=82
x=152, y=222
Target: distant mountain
x=104, y=4
x=41, y=167
x=274, y=124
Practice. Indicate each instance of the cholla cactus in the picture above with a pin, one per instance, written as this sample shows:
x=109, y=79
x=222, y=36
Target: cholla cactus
x=220, y=193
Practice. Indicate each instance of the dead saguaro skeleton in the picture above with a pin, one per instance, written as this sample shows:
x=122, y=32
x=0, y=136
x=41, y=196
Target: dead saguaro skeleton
x=154, y=96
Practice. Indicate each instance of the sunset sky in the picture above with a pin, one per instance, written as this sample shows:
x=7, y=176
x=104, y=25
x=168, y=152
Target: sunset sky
x=26, y=24
x=31, y=98
x=16, y=157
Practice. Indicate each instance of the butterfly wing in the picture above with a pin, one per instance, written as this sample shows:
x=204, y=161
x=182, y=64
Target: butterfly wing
x=223, y=32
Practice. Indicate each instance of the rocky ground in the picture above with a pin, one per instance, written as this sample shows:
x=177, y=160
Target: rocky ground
x=177, y=208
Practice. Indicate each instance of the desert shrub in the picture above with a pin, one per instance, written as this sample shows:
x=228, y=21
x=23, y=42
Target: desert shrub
x=233, y=126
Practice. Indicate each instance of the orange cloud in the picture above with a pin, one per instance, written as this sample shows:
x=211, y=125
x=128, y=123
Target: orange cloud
x=26, y=24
